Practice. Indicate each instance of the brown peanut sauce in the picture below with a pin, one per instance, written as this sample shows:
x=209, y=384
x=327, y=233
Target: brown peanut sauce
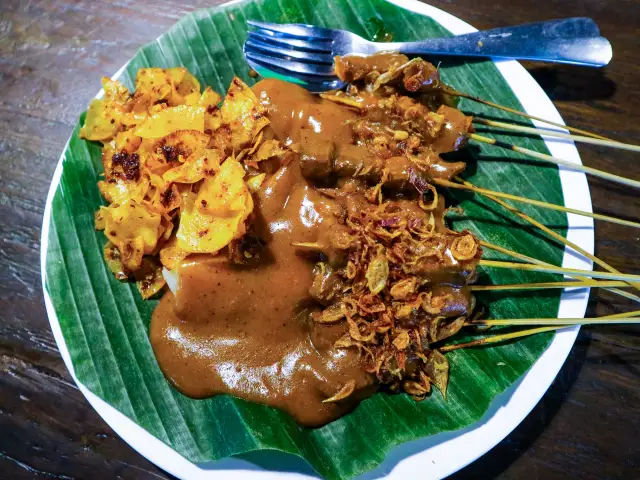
x=246, y=330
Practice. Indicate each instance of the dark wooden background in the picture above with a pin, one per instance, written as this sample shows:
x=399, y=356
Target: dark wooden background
x=52, y=55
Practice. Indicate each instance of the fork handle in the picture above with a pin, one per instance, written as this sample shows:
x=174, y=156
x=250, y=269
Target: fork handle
x=544, y=41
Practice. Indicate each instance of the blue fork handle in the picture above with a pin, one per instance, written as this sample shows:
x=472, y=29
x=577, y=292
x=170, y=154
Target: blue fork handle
x=564, y=27
x=553, y=41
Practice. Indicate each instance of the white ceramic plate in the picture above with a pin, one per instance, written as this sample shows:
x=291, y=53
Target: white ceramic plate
x=439, y=455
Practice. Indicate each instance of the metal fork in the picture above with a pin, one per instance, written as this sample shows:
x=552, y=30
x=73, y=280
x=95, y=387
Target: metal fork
x=304, y=53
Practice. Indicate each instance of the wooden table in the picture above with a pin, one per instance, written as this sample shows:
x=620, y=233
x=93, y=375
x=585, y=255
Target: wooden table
x=52, y=55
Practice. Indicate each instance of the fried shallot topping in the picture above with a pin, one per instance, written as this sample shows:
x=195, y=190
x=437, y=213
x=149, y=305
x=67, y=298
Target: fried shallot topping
x=389, y=294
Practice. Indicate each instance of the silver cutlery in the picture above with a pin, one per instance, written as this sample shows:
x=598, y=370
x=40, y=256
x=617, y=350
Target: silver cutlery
x=305, y=52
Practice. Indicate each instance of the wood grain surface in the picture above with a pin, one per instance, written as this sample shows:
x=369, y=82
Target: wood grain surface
x=52, y=55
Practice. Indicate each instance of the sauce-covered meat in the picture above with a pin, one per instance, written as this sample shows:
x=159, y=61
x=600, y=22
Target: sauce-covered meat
x=280, y=330
x=354, y=67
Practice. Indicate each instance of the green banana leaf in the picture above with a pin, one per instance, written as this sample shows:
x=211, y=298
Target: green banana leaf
x=105, y=322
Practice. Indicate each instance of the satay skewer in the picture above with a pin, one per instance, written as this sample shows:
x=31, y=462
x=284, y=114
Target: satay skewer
x=555, y=160
x=536, y=261
x=549, y=285
x=556, y=134
x=538, y=203
x=561, y=270
x=626, y=317
x=455, y=93
x=513, y=322
x=556, y=236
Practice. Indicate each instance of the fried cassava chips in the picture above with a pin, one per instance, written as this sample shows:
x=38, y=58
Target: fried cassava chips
x=172, y=181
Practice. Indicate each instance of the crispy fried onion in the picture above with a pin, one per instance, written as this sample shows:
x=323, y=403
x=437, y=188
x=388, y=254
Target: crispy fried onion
x=465, y=247
x=346, y=390
x=387, y=298
x=377, y=273
x=429, y=198
x=333, y=313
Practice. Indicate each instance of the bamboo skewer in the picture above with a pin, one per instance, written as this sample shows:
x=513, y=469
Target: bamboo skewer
x=561, y=270
x=548, y=285
x=455, y=93
x=622, y=293
x=555, y=160
x=342, y=100
x=533, y=331
x=537, y=203
x=554, y=235
x=514, y=254
x=634, y=313
x=535, y=261
x=519, y=256
x=498, y=338
x=555, y=321
x=604, y=141
x=526, y=258
x=556, y=134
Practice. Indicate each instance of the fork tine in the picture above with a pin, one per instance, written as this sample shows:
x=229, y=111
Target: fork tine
x=294, y=29
x=311, y=83
x=314, y=70
x=287, y=53
x=315, y=46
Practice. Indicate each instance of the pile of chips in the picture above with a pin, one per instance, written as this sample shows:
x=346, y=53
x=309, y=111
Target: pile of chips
x=173, y=178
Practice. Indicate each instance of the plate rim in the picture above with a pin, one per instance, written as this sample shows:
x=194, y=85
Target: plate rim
x=451, y=451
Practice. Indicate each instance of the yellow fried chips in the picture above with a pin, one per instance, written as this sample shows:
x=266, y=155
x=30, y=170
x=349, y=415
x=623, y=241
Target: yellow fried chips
x=216, y=215
x=243, y=113
x=169, y=120
x=172, y=179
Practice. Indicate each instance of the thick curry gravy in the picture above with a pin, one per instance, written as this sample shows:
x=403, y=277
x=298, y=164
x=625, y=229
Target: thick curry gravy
x=247, y=330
